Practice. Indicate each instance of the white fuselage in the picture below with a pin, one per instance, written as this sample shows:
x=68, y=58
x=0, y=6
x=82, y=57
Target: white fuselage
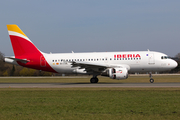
x=136, y=61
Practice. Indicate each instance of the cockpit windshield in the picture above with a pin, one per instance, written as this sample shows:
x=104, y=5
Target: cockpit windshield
x=165, y=57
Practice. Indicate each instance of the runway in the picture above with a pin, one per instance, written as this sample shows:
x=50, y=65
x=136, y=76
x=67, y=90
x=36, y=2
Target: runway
x=87, y=85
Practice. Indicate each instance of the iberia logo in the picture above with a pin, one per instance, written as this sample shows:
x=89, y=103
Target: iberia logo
x=127, y=56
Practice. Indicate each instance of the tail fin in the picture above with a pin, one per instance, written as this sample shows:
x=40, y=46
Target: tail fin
x=21, y=44
x=26, y=53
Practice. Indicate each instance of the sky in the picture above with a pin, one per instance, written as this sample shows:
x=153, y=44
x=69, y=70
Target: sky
x=62, y=26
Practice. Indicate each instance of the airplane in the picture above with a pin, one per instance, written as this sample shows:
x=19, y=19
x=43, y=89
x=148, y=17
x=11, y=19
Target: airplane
x=115, y=65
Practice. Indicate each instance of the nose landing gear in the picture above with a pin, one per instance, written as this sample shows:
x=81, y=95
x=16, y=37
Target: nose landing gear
x=151, y=79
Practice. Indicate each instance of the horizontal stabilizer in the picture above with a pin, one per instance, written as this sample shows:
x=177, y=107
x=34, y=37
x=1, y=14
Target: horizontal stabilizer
x=16, y=59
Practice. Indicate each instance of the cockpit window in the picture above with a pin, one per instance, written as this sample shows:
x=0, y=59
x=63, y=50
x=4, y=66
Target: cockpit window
x=164, y=57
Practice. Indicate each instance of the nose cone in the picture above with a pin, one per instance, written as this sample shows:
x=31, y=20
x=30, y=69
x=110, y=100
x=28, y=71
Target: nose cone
x=173, y=64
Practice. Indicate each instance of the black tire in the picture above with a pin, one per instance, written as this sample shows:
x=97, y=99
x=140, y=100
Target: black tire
x=151, y=80
x=94, y=80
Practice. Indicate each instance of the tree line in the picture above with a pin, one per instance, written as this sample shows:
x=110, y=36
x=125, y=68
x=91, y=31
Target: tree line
x=7, y=69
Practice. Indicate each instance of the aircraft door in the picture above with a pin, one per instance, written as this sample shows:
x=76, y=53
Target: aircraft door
x=151, y=58
x=42, y=61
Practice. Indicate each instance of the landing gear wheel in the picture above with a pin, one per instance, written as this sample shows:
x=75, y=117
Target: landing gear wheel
x=151, y=80
x=94, y=80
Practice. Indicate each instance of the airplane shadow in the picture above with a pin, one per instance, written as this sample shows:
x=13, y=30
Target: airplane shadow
x=105, y=83
x=101, y=83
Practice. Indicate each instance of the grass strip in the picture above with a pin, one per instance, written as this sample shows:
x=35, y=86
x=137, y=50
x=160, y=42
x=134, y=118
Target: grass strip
x=90, y=103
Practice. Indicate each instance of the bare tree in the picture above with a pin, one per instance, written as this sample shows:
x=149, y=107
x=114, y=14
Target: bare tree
x=178, y=56
x=1, y=56
x=1, y=61
x=2, y=64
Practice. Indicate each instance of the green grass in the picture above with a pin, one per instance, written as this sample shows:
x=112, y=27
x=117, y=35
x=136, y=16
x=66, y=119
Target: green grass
x=131, y=79
x=90, y=103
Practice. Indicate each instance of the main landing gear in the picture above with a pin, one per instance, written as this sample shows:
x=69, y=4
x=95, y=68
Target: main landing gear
x=94, y=79
x=151, y=79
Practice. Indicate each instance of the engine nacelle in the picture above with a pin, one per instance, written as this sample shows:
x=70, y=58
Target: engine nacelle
x=116, y=73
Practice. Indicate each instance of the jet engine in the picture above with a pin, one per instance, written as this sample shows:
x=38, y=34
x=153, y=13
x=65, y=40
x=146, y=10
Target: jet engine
x=116, y=73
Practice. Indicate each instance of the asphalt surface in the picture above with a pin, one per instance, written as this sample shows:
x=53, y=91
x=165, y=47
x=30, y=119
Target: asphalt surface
x=85, y=85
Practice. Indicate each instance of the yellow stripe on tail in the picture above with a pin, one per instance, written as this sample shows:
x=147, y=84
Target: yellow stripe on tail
x=15, y=28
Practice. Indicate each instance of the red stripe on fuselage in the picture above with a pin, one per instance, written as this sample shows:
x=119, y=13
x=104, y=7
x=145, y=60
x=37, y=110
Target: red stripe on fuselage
x=24, y=49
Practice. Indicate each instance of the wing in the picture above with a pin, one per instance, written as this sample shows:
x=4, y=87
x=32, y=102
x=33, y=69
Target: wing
x=96, y=68
x=89, y=67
